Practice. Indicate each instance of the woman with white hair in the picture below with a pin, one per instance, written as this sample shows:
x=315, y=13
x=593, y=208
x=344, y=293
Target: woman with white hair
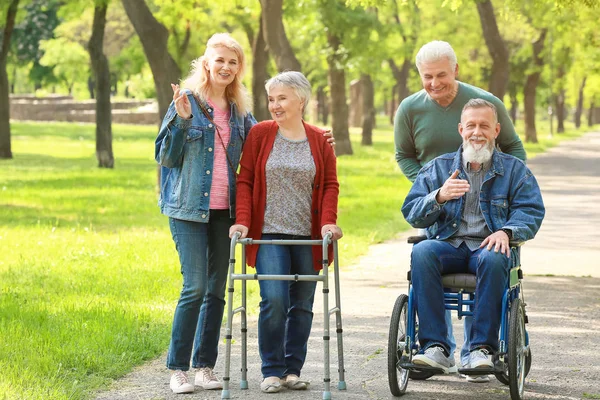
x=287, y=189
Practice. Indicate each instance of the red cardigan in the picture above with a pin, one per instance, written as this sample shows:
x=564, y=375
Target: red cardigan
x=252, y=185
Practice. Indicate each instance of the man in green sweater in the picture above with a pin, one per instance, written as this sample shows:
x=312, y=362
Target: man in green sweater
x=426, y=126
x=426, y=123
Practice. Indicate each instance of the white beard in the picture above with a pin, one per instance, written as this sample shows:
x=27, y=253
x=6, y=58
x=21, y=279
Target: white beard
x=479, y=154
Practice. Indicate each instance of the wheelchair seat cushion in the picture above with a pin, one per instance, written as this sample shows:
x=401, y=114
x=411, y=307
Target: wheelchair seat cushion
x=456, y=282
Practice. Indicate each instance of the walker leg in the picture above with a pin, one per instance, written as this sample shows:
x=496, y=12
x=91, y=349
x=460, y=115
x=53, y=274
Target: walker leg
x=225, y=392
x=326, y=378
x=244, y=329
x=338, y=319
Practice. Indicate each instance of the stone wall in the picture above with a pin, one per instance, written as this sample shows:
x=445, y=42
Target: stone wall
x=64, y=108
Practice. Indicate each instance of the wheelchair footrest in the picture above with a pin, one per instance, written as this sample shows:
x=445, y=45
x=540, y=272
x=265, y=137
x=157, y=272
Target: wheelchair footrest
x=421, y=368
x=480, y=371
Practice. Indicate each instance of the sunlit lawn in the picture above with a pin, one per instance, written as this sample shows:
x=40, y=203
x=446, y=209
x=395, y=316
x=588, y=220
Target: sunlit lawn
x=89, y=276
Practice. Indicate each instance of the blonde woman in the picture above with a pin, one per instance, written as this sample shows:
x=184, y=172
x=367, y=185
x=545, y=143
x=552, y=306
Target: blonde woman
x=198, y=148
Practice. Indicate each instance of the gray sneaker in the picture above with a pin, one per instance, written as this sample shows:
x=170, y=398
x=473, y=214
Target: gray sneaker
x=434, y=357
x=481, y=358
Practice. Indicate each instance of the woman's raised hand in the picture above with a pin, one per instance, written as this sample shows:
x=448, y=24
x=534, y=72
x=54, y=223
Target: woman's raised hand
x=182, y=104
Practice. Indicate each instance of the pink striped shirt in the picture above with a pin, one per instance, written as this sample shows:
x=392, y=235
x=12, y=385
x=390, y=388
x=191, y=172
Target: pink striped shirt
x=219, y=189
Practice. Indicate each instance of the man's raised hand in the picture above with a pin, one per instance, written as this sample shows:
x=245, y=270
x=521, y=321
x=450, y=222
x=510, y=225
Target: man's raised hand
x=453, y=188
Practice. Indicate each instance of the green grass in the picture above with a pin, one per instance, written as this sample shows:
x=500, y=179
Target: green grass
x=89, y=276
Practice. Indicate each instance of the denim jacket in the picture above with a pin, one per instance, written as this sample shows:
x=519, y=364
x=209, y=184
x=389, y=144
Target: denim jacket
x=184, y=149
x=509, y=198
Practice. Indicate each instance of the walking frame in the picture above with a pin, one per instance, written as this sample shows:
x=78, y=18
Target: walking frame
x=324, y=277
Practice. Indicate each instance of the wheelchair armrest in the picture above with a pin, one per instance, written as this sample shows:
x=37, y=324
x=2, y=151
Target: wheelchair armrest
x=416, y=239
x=514, y=243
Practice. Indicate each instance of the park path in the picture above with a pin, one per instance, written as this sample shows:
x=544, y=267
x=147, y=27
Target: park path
x=562, y=289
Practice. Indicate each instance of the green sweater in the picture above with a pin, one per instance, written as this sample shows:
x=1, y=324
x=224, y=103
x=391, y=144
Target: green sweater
x=424, y=130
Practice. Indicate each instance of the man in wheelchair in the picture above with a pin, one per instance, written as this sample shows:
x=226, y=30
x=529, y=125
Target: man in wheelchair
x=473, y=203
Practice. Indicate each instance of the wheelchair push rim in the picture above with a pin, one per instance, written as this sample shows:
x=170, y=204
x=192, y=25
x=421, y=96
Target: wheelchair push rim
x=397, y=346
x=518, y=350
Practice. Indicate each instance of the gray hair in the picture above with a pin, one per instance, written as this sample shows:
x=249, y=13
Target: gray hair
x=435, y=51
x=294, y=80
x=480, y=103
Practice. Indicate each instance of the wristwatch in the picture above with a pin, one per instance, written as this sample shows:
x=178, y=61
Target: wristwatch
x=508, y=233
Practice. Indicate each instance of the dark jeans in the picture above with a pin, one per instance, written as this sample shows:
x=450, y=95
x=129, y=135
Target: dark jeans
x=431, y=259
x=286, y=313
x=203, y=250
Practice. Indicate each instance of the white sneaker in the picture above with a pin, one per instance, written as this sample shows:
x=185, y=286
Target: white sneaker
x=481, y=358
x=180, y=383
x=293, y=382
x=434, y=357
x=207, y=380
x=271, y=384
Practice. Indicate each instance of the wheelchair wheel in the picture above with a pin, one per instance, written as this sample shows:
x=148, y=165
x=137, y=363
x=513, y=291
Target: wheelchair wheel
x=517, y=350
x=527, y=363
x=397, y=377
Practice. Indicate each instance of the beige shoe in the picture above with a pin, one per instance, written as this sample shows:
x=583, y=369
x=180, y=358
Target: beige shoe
x=270, y=384
x=207, y=380
x=180, y=383
x=293, y=382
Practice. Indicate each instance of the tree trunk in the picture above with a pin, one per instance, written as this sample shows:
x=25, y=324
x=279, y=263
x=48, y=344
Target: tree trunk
x=368, y=120
x=154, y=37
x=560, y=99
x=496, y=47
x=355, y=116
x=392, y=105
x=274, y=34
x=560, y=111
x=260, y=59
x=591, y=114
x=401, y=86
x=339, y=107
x=100, y=68
x=91, y=84
x=514, y=104
x=5, y=146
x=323, y=108
x=579, y=109
x=530, y=89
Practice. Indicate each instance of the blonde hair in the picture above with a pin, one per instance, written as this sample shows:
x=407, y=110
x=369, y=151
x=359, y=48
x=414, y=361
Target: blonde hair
x=198, y=81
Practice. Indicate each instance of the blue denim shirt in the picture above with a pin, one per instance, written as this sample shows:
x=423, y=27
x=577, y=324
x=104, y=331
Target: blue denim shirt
x=509, y=198
x=185, y=149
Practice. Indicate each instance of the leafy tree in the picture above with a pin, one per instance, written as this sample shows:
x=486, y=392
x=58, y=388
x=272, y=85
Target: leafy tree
x=39, y=24
x=104, y=152
x=496, y=47
x=9, y=15
x=69, y=60
x=154, y=37
x=275, y=36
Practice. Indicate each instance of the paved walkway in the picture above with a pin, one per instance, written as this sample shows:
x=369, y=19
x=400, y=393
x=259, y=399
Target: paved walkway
x=564, y=311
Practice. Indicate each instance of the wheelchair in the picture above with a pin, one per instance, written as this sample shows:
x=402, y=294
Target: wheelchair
x=513, y=359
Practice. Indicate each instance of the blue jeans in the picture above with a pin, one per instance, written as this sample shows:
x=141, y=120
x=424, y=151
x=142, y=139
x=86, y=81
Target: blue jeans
x=203, y=250
x=286, y=313
x=431, y=259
